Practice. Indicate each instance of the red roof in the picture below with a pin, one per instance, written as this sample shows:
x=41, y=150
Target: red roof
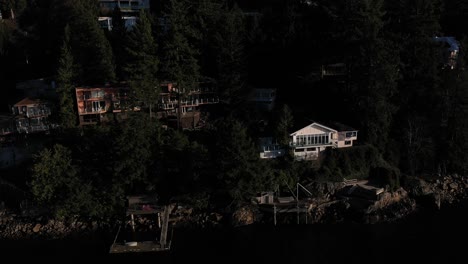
x=28, y=101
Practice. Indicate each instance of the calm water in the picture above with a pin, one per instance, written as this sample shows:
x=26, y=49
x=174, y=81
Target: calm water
x=427, y=237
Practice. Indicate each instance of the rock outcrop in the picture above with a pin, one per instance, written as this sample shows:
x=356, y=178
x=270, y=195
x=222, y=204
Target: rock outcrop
x=14, y=227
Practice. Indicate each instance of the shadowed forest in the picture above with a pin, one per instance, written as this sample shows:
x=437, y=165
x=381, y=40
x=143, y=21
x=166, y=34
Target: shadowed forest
x=400, y=90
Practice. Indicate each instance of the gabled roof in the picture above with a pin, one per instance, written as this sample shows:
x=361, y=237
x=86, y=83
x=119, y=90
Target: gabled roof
x=340, y=127
x=29, y=101
x=317, y=125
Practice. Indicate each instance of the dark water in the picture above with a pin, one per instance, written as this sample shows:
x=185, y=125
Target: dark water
x=427, y=237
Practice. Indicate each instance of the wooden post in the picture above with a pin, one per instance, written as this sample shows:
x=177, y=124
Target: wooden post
x=297, y=202
x=159, y=220
x=307, y=211
x=274, y=214
x=133, y=222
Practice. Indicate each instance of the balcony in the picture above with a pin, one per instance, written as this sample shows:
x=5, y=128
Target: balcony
x=6, y=131
x=307, y=156
x=301, y=144
x=88, y=97
x=92, y=110
x=38, y=112
x=38, y=128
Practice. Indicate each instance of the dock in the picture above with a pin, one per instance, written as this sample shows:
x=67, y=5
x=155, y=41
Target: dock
x=143, y=205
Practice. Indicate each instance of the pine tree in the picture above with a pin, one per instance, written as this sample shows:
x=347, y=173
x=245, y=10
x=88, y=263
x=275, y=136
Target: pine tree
x=142, y=63
x=419, y=89
x=237, y=160
x=91, y=49
x=118, y=36
x=230, y=48
x=65, y=89
x=179, y=55
x=374, y=62
x=284, y=126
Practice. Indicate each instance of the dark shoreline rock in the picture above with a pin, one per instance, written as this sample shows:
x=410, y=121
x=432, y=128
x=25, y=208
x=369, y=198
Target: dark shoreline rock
x=390, y=207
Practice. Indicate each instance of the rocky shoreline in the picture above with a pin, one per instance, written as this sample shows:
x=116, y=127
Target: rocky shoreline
x=327, y=207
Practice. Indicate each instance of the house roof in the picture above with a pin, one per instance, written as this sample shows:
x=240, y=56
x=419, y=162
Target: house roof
x=340, y=127
x=29, y=101
x=317, y=125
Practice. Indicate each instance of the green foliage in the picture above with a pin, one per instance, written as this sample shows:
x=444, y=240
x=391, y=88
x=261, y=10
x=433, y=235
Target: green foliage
x=454, y=143
x=4, y=38
x=66, y=89
x=229, y=44
x=118, y=35
x=135, y=147
x=284, y=125
x=56, y=183
x=349, y=163
x=91, y=49
x=142, y=63
x=52, y=174
x=239, y=168
x=376, y=58
x=179, y=61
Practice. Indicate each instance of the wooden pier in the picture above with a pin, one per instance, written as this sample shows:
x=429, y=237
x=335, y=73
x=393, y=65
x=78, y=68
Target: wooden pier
x=143, y=205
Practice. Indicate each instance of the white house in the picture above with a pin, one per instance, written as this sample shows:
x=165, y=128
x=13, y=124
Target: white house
x=308, y=142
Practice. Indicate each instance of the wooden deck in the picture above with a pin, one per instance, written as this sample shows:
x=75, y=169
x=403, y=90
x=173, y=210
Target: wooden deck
x=139, y=247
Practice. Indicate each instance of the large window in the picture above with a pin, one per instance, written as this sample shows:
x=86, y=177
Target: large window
x=351, y=134
x=312, y=139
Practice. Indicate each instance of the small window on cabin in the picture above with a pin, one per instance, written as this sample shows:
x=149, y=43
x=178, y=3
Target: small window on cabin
x=299, y=150
x=311, y=149
x=347, y=142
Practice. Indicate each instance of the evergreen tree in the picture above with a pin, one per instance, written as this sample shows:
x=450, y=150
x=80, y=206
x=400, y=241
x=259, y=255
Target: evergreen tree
x=419, y=89
x=91, y=49
x=142, y=63
x=205, y=19
x=284, y=126
x=373, y=61
x=118, y=37
x=57, y=185
x=136, y=146
x=238, y=162
x=229, y=41
x=179, y=56
x=65, y=89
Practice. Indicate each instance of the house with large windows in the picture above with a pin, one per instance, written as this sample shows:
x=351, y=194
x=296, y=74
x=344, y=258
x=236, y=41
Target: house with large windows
x=32, y=115
x=308, y=142
x=99, y=104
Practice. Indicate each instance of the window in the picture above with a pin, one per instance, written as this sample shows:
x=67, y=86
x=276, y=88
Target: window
x=97, y=94
x=347, y=142
x=299, y=150
x=311, y=149
x=351, y=134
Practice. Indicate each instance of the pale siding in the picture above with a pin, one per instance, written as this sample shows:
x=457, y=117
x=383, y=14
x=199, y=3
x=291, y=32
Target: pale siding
x=341, y=144
x=311, y=130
